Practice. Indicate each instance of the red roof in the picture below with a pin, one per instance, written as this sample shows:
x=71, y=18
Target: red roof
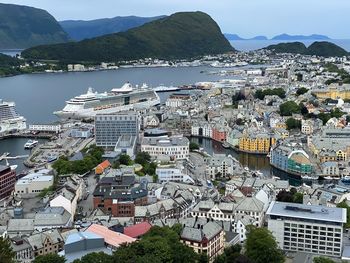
x=137, y=230
x=112, y=238
x=105, y=164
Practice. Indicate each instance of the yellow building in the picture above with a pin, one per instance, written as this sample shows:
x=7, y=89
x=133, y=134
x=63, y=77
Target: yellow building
x=333, y=91
x=256, y=143
x=281, y=125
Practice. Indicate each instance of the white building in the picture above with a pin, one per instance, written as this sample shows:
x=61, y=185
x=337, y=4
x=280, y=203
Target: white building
x=203, y=129
x=177, y=100
x=307, y=127
x=219, y=164
x=308, y=228
x=45, y=128
x=33, y=183
x=175, y=147
x=172, y=174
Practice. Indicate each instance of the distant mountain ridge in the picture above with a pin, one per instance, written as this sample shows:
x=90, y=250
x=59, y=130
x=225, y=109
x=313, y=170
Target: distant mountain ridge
x=286, y=37
x=80, y=29
x=23, y=27
x=318, y=48
x=179, y=36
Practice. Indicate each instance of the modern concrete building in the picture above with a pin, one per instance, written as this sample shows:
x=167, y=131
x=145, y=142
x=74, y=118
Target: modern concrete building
x=34, y=183
x=126, y=144
x=176, y=147
x=7, y=181
x=168, y=173
x=308, y=228
x=109, y=127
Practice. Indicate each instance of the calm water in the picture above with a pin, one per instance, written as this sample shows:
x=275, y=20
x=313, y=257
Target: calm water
x=253, y=162
x=248, y=45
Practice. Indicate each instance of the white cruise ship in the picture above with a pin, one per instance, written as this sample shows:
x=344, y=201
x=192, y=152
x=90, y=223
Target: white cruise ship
x=87, y=105
x=10, y=120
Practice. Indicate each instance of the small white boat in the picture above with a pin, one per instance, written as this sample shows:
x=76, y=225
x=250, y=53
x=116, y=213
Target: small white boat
x=328, y=178
x=13, y=167
x=30, y=144
x=307, y=177
x=163, y=88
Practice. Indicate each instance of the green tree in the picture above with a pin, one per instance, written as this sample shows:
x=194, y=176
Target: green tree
x=288, y=108
x=95, y=257
x=293, y=124
x=193, y=146
x=7, y=255
x=142, y=158
x=322, y=260
x=347, y=207
x=260, y=94
x=302, y=91
x=261, y=246
x=125, y=159
x=50, y=258
x=203, y=258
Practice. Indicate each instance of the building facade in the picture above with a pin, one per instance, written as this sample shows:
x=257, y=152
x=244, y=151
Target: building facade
x=7, y=181
x=307, y=228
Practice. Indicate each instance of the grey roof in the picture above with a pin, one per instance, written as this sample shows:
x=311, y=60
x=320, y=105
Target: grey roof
x=170, y=141
x=37, y=240
x=52, y=216
x=313, y=212
x=251, y=204
x=199, y=231
x=20, y=225
x=153, y=209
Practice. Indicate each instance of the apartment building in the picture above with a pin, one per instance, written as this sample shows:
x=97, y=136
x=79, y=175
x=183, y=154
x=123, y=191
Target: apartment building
x=308, y=228
x=7, y=181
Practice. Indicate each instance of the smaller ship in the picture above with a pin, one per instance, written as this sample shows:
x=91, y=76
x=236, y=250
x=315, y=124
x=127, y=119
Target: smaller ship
x=163, y=88
x=307, y=177
x=30, y=144
x=346, y=179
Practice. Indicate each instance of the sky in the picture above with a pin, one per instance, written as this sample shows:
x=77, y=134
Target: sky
x=246, y=18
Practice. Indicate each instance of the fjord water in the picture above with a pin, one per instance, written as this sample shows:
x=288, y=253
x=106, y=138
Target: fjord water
x=37, y=96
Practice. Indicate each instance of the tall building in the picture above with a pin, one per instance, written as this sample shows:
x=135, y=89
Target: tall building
x=310, y=228
x=109, y=127
x=7, y=181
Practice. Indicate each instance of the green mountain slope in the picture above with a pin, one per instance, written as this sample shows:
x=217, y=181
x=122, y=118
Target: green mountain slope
x=326, y=49
x=181, y=35
x=322, y=48
x=79, y=30
x=23, y=27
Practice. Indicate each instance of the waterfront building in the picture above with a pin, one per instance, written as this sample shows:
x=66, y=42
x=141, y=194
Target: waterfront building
x=118, y=194
x=307, y=228
x=256, y=142
x=291, y=158
x=176, y=147
x=219, y=133
x=45, y=128
x=10, y=120
x=81, y=133
x=33, y=184
x=7, y=181
x=233, y=138
x=202, y=129
x=330, y=169
x=219, y=165
x=109, y=127
x=177, y=100
x=333, y=91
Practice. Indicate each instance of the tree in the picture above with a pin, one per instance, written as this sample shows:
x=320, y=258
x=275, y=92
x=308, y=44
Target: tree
x=261, y=246
x=125, y=159
x=302, y=91
x=260, y=94
x=193, y=146
x=50, y=258
x=95, y=257
x=322, y=260
x=288, y=108
x=291, y=196
x=203, y=258
x=142, y=158
x=293, y=124
x=6, y=253
x=347, y=207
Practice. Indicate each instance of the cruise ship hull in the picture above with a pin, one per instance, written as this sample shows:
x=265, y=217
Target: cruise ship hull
x=90, y=113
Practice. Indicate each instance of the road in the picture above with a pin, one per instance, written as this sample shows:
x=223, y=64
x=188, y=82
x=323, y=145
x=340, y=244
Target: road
x=87, y=206
x=198, y=173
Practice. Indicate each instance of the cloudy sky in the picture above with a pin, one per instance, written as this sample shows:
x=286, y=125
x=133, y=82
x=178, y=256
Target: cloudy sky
x=244, y=17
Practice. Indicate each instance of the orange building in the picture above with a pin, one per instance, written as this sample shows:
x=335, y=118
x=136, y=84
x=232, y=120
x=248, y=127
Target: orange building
x=102, y=167
x=219, y=134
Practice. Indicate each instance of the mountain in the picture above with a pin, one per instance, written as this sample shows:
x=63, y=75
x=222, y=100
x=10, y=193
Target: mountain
x=326, y=49
x=6, y=61
x=300, y=37
x=323, y=48
x=23, y=27
x=290, y=47
x=181, y=35
x=233, y=37
x=79, y=29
